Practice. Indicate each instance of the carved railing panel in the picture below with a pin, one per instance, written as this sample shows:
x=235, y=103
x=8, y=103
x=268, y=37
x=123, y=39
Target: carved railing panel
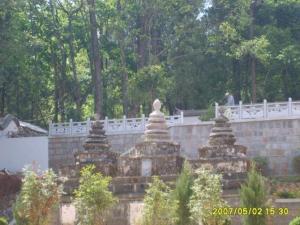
x=111, y=126
x=252, y=111
x=263, y=110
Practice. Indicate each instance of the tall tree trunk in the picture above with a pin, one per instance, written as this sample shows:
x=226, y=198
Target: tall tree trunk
x=62, y=82
x=76, y=90
x=2, y=100
x=96, y=59
x=125, y=100
x=252, y=58
x=236, y=79
x=141, y=42
x=56, y=85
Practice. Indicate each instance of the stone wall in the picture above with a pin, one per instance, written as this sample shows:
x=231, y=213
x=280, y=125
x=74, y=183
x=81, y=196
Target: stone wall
x=62, y=149
x=278, y=140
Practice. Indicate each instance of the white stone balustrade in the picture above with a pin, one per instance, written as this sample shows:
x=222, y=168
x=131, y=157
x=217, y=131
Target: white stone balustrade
x=263, y=110
x=111, y=126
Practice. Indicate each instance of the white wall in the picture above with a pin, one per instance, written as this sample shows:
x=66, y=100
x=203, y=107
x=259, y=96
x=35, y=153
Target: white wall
x=15, y=153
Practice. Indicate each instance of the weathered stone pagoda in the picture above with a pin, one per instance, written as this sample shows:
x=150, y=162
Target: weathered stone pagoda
x=97, y=151
x=222, y=155
x=156, y=154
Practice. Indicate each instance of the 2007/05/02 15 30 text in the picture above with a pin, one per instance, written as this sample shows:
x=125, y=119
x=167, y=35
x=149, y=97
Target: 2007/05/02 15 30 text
x=240, y=211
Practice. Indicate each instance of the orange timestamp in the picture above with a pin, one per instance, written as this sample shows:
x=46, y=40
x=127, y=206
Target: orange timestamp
x=243, y=211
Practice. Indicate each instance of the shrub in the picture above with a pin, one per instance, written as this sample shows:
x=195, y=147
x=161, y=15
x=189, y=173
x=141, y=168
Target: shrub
x=207, y=195
x=3, y=221
x=254, y=194
x=92, y=198
x=209, y=114
x=286, y=194
x=182, y=194
x=39, y=195
x=262, y=164
x=159, y=207
x=295, y=221
x=296, y=164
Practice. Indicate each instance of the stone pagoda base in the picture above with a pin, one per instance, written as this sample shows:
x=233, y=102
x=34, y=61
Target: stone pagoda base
x=151, y=158
x=104, y=161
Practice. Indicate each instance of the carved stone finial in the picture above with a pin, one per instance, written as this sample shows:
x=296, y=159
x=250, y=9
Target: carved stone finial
x=156, y=129
x=157, y=105
x=222, y=111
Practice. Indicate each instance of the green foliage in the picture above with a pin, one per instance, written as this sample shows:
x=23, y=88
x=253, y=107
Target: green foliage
x=93, y=198
x=149, y=49
x=207, y=195
x=159, y=207
x=182, y=193
x=39, y=194
x=262, y=164
x=296, y=164
x=286, y=194
x=210, y=113
x=295, y=221
x=3, y=221
x=254, y=194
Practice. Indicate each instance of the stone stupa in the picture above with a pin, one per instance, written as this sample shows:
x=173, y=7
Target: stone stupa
x=156, y=154
x=222, y=155
x=97, y=151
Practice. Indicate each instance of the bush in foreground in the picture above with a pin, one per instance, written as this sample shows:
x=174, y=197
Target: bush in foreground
x=93, y=198
x=39, y=195
x=295, y=221
x=254, y=194
x=207, y=195
x=3, y=221
x=159, y=207
x=182, y=194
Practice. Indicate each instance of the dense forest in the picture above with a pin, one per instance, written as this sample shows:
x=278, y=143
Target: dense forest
x=62, y=59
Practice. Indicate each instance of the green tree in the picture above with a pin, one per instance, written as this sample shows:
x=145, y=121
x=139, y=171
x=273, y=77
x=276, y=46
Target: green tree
x=3, y=221
x=207, y=196
x=295, y=221
x=159, y=207
x=182, y=193
x=93, y=198
x=254, y=194
x=39, y=194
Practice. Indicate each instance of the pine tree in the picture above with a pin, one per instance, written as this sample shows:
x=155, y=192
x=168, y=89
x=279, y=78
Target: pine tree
x=182, y=194
x=254, y=194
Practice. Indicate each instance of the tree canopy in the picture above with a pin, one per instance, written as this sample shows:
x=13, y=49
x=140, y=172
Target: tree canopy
x=63, y=59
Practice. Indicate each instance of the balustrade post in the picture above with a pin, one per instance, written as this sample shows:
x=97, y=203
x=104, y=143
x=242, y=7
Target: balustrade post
x=240, y=110
x=50, y=128
x=124, y=122
x=265, y=109
x=88, y=124
x=216, y=110
x=181, y=117
x=106, y=124
x=71, y=126
x=143, y=121
x=290, y=108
